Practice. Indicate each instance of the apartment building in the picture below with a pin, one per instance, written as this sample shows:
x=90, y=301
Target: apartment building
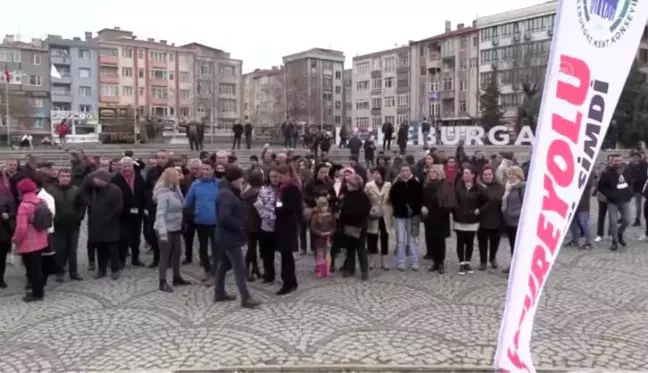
x=156, y=77
x=264, y=96
x=314, y=86
x=516, y=44
x=347, y=93
x=29, y=86
x=217, y=86
x=380, y=89
x=75, y=95
x=445, y=72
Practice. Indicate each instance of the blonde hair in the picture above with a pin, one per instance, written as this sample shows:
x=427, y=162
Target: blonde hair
x=517, y=171
x=164, y=180
x=439, y=171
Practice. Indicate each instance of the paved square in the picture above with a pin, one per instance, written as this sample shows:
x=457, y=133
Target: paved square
x=593, y=314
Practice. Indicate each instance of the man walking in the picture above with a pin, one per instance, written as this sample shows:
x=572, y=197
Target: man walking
x=70, y=210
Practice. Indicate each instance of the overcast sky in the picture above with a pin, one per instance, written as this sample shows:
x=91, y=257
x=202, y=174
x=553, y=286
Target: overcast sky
x=259, y=32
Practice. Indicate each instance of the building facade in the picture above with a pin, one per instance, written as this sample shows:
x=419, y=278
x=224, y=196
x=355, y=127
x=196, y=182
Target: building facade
x=217, y=86
x=29, y=98
x=264, y=97
x=380, y=89
x=445, y=73
x=516, y=44
x=347, y=92
x=314, y=86
x=75, y=95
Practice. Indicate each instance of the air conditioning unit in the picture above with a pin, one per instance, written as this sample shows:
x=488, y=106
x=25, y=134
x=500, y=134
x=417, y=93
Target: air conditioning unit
x=495, y=41
x=550, y=31
x=527, y=36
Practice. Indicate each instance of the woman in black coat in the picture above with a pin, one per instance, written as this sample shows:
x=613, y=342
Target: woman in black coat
x=288, y=212
x=354, y=212
x=438, y=201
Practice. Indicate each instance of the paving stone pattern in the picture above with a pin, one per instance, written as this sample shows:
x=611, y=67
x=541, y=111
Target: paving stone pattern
x=593, y=314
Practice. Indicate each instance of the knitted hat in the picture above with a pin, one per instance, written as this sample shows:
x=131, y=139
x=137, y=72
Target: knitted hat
x=26, y=185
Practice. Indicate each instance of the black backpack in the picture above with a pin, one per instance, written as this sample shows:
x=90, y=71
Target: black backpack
x=43, y=217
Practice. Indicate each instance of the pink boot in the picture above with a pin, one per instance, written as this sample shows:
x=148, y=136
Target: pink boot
x=320, y=270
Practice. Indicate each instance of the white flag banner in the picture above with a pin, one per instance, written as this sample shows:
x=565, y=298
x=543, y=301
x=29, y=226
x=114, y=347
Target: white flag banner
x=54, y=73
x=593, y=48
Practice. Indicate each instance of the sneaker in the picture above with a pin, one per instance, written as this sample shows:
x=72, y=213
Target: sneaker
x=468, y=268
x=587, y=246
x=3, y=284
x=401, y=267
x=462, y=269
x=494, y=264
x=415, y=267
x=224, y=298
x=598, y=239
x=250, y=303
x=482, y=266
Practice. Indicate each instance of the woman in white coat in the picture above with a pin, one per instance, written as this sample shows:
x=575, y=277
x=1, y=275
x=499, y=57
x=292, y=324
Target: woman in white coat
x=380, y=217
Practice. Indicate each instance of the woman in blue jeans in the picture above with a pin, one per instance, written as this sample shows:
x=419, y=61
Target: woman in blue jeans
x=580, y=224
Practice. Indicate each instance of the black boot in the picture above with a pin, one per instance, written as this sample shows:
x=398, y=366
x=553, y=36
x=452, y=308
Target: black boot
x=165, y=287
x=179, y=281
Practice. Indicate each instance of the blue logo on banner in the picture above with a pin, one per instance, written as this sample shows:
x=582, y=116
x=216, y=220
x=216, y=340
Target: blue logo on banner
x=604, y=22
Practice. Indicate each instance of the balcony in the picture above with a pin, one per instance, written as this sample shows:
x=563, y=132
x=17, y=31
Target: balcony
x=433, y=64
x=448, y=95
x=159, y=101
x=109, y=78
x=62, y=96
x=64, y=79
x=109, y=99
x=158, y=64
x=159, y=82
x=109, y=60
x=58, y=59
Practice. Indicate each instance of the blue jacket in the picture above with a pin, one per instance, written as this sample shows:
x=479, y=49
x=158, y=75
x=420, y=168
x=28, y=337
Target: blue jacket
x=202, y=198
x=231, y=218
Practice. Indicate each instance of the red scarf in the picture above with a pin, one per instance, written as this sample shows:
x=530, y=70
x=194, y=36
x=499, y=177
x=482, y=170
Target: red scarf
x=130, y=180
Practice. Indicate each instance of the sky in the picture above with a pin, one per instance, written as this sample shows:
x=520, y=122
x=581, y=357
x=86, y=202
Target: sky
x=256, y=31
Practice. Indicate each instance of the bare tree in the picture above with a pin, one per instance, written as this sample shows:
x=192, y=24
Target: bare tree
x=20, y=110
x=529, y=79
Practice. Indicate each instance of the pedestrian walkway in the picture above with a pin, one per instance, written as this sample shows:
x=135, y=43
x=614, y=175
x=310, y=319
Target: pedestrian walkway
x=593, y=314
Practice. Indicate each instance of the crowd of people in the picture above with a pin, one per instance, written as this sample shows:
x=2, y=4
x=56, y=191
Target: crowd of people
x=281, y=205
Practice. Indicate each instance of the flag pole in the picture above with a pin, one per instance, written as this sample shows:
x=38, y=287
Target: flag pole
x=7, y=113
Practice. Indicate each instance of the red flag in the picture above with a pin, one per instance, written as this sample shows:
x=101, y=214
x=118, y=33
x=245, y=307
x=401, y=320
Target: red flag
x=7, y=74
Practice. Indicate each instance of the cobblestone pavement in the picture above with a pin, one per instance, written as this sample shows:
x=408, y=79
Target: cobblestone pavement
x=593, y=314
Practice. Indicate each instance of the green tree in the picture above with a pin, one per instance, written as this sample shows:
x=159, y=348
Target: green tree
x=632, y=109
x=489, y=103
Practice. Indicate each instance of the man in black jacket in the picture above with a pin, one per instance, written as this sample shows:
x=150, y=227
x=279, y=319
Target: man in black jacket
x=238, y=133
x=231, y=231
x=105, y=204
x=615, y=184
x=131, y=185
x=388, y=132
x=70, y=210
x=248, y=135
x=638, y=171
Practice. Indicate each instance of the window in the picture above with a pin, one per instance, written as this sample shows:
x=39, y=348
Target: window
x=463, y=64
x=171, y=58
x=462, y=106
x=55, y=52
x=185, y=94
x=37, y=59
x=227, y=71
x=158, y=56
x=109, y=90
x=127, y=52
x=404, y=60
x=142, y=91
x=403, y=100
x=85, y=108
x=10, y=56
x=227, y=89
x=389, y=101
x=227, y=106
x=158, y=74
x=338, y=75
x=473, y=63
x=108, y=52
x=35, y=80
x=184, y=76
x=389, y=118
x=462, y=85
x=376, y=122
x=140, y=53
x=183, y=111
x=376, y=103
x=127, y=91
x=338, y=89
x=402, y=118
x=84, y=73
x=389, y=64
x=205, y=69
x=171, y=75
x=447, y=84
x=376, y=84
x=338, y=105
x=338, y=119
x=108, y=71
x=362, y=86
x=434, y=86
x=362, y=105
x=389, y=82
x=362, y=68
x=140, y=73
x=84, y=54
x=463, y=43
x=159, y=93
x=376, y=64
x=127, y=72
x=35, y=101
x=85, y=91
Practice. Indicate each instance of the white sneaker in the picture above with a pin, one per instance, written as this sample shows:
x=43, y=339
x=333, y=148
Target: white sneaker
x=415, y=267
x=402, y=267
x=598, y=239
